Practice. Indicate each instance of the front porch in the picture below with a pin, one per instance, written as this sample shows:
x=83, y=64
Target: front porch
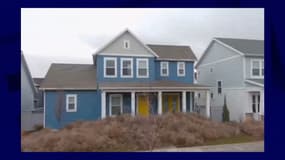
x=256, y=105
x=150, y=99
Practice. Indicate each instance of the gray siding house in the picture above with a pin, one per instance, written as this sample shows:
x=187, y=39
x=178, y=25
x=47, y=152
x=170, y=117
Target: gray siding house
x=235, y=70
x=30, y=114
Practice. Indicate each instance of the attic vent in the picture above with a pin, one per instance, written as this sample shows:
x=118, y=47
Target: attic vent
x=126, y=44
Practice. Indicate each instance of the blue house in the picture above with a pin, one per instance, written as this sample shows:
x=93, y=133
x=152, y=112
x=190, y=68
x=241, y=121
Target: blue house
x=126, y=77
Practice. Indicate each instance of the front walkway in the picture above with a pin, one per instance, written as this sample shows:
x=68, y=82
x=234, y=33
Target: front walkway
x=237, y=147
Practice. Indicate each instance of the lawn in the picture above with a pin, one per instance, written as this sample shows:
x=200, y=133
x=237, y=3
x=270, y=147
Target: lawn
x=127, y=133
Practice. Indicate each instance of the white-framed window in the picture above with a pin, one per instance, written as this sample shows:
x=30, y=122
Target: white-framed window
x=219, y=87
x=116, y=104
x=142, y=68
x=257, y=68
x=164, y=69
x=127, y=44
x=255, y=103
x=180, y=69
x=110, y=67
x=126, y=67
x=71, y=103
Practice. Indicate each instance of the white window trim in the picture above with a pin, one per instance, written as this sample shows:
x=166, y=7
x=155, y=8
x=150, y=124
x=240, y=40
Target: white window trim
x=126, y=41
x=105, y=74
x=147, y=68
x=178, y=74
x=260, y=68
x=167, y=69
x=110, y=103
x=132, y=67
x=221, y=87
x=75, y=103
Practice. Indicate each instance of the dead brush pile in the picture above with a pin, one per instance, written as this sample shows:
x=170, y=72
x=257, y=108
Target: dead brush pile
x=126, y=133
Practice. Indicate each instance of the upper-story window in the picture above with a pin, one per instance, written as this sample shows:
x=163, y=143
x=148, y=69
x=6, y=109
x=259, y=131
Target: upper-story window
x=257, y=68
x=71, y=103
x=127, y=44
x=127, y=67
x=110, y=67
x=164, y=68
x=180, y=68
x=142, y=68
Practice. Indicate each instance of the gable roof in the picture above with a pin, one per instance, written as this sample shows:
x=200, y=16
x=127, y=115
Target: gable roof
x=243, y=47
x=118, y=36
x=173, y=52
x=248, y=47
x=258, y=82
x=77, y=76
x=28, y=73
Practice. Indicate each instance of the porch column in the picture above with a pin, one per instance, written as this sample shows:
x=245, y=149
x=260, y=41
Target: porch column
x=208, y=103
x=133, y=106
x=184, y=101
x=191, y=101
x=159, y=102
x=262, y=102
x=103, y=104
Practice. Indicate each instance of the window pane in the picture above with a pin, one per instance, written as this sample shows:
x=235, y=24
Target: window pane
x=262, y=68
x=116, y=101
x=71, y=99
x=255, y=64
x=142, y=72
x=181, y=71
x=164, y=71
x=110, y=71
x=126, y=72
x=181, y=65
x=255, y=72
x=116, y=110
x=219, y=84
x=71, y=106
x=164, y=65
x=126, y=64
x=110, y=64
x=142, y=64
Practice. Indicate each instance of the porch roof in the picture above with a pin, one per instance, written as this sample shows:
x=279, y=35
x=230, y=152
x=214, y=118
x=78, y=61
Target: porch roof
x=154, y=85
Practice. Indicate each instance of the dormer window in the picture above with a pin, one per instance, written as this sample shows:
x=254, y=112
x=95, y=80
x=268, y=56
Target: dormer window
x=126, y=44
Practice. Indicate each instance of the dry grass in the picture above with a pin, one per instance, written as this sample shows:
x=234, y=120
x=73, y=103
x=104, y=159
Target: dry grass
x=126, y=133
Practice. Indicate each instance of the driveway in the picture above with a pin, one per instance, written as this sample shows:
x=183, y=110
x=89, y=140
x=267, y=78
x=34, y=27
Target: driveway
x=237, y=147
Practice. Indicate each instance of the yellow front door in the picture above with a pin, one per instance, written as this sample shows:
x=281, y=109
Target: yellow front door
x=143, y=106
x=171, y=103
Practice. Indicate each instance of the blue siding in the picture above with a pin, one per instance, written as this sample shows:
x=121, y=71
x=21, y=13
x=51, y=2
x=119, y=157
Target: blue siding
x=100, y=70
x=188, y=78
x=88, y=108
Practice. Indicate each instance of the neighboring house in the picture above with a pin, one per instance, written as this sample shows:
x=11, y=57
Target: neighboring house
x=127, y=77
x=30, y=115
x=39, y=96
x=235, y=70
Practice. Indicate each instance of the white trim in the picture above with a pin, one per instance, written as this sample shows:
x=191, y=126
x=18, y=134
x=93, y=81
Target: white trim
x=208, y=99
x=244, y=67
x=167, y=69
x=67, y=102
x=128, y=42
x=44, y=118
x=260, y=68
x=110, y=103
x=254, y=83
x=184, y=107
x=184, y=67
x=159, y=96
x=220, y=60
x=103, y=104
x=126, y=55
x=147, y=67
x=133, y=103
x=132, y=68
x=112, y=59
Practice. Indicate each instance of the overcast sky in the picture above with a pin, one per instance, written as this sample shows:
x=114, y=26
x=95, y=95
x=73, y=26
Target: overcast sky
x=73, y=35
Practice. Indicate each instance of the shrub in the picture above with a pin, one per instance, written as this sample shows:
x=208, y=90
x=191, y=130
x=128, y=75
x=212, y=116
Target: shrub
x=226, y=113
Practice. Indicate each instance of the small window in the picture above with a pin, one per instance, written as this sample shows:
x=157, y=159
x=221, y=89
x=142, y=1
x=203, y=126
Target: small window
x=212, y=95
x=181, y=69
x=257, y=68
x=164, y=68
x=110, y=67
x=142, y=68
x=116, y=104
x=71, y=103
x=199, y=95
x=126, y=67
x=219, y=87
x=126, y=44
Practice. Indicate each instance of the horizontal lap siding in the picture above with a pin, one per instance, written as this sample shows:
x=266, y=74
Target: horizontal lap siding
x=88, y=108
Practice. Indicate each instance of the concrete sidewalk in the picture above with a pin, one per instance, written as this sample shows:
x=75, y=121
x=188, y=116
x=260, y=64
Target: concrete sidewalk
x=237, y=147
